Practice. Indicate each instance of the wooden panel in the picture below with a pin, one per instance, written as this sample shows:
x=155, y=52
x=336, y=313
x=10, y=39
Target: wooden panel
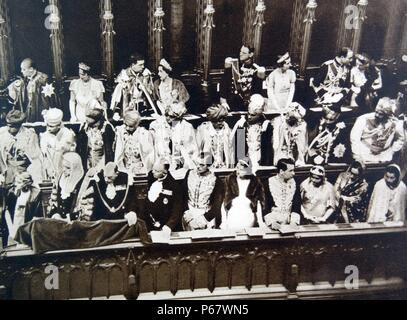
x=374, y=28
x=30, y=37
x=324, y=32
x=81, y=29
x=276, y=35
x=131, y=26
x=228, y=34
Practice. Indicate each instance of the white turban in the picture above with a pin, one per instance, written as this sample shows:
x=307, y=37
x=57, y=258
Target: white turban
x=53, y=117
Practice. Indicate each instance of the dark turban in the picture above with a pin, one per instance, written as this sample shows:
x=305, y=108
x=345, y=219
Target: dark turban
x=15, y=117
x=216, y=113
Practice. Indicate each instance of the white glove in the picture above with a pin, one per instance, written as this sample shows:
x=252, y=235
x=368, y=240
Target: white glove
x=116, y=117
x=131, y=218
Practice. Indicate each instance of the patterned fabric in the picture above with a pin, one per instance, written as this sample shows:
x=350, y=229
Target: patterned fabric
x=28, y=95
x=283, y=196
x=352, y=197
x=134, y=152
x=200, y=189
x=376, y=142
x=216, y=143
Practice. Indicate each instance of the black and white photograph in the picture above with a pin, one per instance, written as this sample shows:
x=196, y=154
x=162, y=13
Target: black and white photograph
x=227, y=150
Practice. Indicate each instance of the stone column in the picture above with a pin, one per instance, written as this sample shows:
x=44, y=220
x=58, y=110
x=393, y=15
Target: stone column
x=158, y=32
x=362, y=6
x=57, y=45
x=249, y=16
x=345, y=32
x=177, y=27
x=394, y=23
x=403, y=45
x=6, y=57
x=301, y=31
x=208, y=26
x=108, y=33
x=258, y=28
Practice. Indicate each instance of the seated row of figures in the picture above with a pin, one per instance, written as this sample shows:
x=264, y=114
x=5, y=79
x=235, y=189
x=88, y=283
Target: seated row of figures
x=203, y=201
x=355, y=76
x=378, y=137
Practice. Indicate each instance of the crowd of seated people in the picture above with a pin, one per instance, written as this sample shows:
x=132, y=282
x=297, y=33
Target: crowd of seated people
x=93, y=170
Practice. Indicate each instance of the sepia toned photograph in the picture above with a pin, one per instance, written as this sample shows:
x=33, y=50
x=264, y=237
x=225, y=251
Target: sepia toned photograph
x=178, y=150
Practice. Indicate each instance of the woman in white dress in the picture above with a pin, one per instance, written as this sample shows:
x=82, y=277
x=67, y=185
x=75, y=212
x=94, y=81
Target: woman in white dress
x=244, y=200
x=86, y=92
x=281, y=86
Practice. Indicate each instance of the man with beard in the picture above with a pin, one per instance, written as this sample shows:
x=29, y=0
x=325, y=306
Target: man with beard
x=377, y=136
x=134, y=89
x=329, y=138
x=51, y=143
x=389, y=198
x=205, y=197
x=134, y=152
x=19, y=150
x=214, y=137
x=317, y=197
x=175, y=138
x=241, y=80
x=32, y=94
x=254, y=134
x=290, y=136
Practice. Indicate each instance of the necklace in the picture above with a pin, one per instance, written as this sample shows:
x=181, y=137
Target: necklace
x=113, y=209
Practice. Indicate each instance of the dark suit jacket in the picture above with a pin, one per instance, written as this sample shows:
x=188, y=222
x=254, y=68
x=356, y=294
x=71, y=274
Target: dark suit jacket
x=168, y=208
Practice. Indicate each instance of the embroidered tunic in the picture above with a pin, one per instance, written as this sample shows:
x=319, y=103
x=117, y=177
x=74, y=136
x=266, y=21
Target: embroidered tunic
x=134, y=152
x=376, y=142
x=216, y=143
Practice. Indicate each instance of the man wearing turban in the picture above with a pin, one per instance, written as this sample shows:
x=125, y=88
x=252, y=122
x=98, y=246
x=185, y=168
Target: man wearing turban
x=134, y=151
x=52, y=143
x=19, y=150
x=254, y=134
x=95, y=140
x=174, y=138
x=377, y=136
x=214, y=137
